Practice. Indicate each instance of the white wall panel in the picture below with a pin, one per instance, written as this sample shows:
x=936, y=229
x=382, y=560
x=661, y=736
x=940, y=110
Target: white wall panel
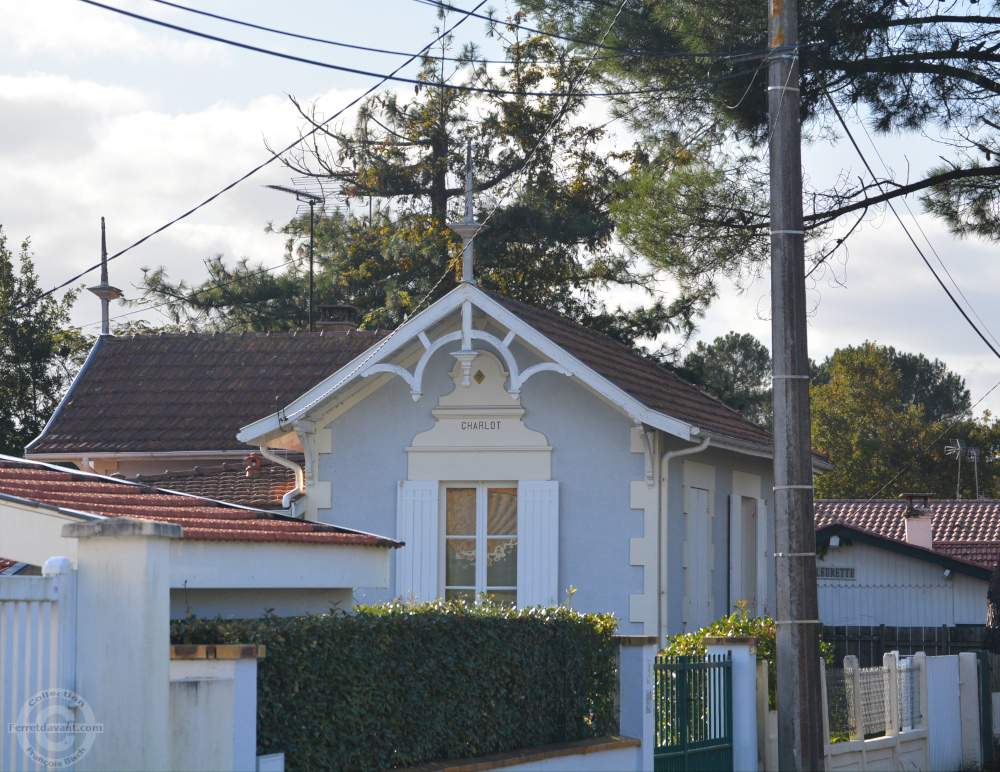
x=894, y=589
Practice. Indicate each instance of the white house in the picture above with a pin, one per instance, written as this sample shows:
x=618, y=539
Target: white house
x=230, y=560
x=903, y=564
x=518, y=454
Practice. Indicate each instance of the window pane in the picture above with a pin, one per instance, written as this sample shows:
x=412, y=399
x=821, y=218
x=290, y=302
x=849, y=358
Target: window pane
x=460, y=563
x=501, y=562
x=469, y=596
x=505, y=597
x=461, y=511
x=501, y=511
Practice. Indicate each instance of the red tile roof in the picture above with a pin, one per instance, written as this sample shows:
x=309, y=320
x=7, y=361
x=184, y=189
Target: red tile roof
x=202, y=519
x=5, y=564
x=651, y=384
x=229, y=483
x=969, y=530
x=154, y=393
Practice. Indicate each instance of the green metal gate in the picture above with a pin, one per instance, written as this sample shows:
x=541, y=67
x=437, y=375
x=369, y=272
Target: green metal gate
x=694, y=714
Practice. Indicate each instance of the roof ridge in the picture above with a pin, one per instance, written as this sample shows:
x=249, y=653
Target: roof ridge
x=630, y=350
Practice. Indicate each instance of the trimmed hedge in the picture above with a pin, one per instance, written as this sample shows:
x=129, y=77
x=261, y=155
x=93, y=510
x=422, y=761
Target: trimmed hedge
x=397, y=685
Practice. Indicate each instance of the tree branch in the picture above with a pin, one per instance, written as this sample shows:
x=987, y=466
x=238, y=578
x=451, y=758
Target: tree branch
x=937, y=179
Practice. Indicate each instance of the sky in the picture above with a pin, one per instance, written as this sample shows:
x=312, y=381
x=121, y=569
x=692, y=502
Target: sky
x=109, y=116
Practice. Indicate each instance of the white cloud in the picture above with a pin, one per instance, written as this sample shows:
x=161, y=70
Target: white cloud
x=70, y=29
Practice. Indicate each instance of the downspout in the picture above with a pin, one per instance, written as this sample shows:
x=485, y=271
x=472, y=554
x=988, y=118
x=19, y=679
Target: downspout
x=300, y=476
x=665, y=466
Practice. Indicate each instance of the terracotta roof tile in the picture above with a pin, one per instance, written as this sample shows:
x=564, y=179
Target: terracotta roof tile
x=201, y=519
x=229, y=482
x=651, y=384
x=5, y=564
x=969, y=530
x=148, y=393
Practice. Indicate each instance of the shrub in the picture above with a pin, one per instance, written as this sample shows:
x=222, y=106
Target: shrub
x=740, y=624
x=398, y=685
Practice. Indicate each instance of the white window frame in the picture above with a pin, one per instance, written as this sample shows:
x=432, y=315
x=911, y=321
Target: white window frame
x=480, y=536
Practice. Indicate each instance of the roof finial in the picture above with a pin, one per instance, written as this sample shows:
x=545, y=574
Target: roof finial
x=468, y=228
x=104, y=290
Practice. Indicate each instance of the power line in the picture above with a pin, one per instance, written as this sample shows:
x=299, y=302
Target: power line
x=448, y=267
x=906, y=230
x=628, y=51
x=271, y=159
x=389, y=52
x=398, y=79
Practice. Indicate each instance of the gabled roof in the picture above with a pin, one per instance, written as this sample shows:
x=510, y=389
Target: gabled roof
x=838, y=528
x=193, y=392
x=953, y=521
x=86, y=496
x=230, y=483
x=964, y=529
x=645, y=380
x=644, y=390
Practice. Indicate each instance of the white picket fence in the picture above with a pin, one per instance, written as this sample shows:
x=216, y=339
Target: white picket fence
x=37, y=650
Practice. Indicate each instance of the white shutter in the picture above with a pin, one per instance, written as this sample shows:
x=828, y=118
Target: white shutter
x=762, y=594
x=417, y=526
x=735, y=550
x=537, y=543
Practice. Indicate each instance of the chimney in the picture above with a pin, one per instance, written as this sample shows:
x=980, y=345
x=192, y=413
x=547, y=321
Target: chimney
x=340, y=319
x=919, y=519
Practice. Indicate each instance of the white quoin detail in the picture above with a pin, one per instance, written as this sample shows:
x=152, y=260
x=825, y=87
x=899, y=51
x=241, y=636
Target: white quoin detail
x=417, y=528
x=467, y=334
x=538, y=543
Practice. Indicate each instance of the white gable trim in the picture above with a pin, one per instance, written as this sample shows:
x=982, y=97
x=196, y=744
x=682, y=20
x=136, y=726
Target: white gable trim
x=373, y=359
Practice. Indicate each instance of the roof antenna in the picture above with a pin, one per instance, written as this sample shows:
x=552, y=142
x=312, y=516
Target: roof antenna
x=467, y=228
x=104, y=290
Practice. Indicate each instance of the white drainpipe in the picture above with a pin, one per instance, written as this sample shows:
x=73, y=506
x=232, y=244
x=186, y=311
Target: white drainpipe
x=300, y=476
x=665, y=466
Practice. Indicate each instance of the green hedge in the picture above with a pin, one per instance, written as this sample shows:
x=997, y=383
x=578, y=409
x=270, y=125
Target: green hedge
x=397, y=685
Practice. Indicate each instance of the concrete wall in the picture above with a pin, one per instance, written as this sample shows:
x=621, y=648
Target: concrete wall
x=893, y=589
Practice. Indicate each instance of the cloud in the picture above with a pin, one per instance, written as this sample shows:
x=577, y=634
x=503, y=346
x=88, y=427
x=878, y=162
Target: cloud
x=78, y=150
x=69, y=29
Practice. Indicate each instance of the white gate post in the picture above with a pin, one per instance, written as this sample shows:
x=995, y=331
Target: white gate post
x=65, y=610
x=123, y=639
x=968, y=700
x=637, y=714
x=852, y=680
x=743, y=652
x=891, y=694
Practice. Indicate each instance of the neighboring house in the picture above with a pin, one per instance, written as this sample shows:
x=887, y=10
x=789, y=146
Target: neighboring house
x=257, y=482
x=905, y=563
x=232, y=560
x=146, y=404
x=521, y=455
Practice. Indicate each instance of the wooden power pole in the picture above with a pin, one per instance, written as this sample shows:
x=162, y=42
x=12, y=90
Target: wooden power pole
x=800, y=718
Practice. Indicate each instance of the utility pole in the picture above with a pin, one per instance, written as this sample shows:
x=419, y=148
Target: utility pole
x=800, y=717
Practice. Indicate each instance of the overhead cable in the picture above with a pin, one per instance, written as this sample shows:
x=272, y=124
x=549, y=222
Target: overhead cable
x=369, y=49
x=413, y=81
x=902, y=224
x=273, y=157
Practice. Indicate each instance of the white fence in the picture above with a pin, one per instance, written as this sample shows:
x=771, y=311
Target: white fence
x=37, y=654
x=108, y=693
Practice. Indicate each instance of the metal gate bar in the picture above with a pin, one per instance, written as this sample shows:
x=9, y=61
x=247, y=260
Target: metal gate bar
x=694, y=714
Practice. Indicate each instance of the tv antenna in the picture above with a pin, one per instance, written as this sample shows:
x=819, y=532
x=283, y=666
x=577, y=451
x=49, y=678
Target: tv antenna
x=958, y=449
x=974, y=455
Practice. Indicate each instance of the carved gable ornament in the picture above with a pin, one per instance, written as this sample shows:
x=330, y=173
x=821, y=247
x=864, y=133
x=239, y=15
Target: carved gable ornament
x=479, y=432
